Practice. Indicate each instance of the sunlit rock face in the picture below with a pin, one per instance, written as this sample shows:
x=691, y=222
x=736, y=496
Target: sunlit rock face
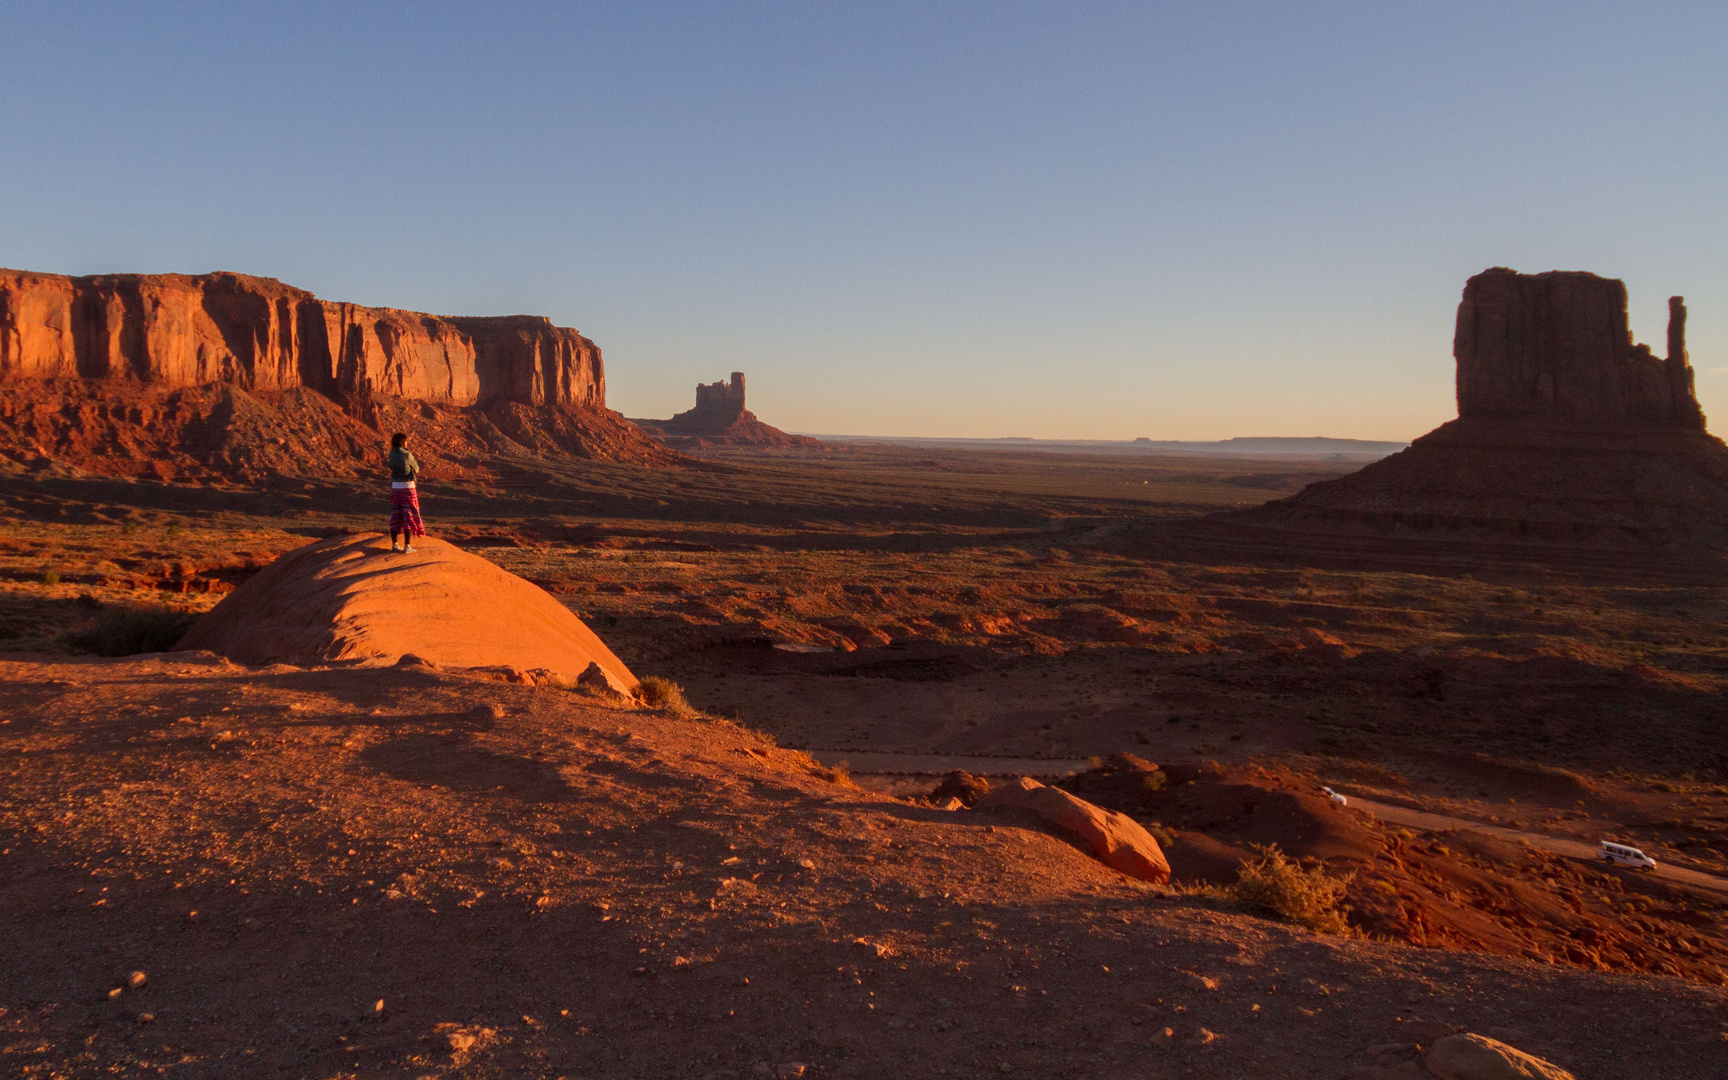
x=174, y=330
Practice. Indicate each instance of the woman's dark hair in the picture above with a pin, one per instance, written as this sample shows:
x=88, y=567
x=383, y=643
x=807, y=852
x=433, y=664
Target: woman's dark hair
x=397, y=440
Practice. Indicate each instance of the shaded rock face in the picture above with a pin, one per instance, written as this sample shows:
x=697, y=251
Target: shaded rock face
x=1568, y=435
x=1556, y=347
x=174, y=330
x=721, y=419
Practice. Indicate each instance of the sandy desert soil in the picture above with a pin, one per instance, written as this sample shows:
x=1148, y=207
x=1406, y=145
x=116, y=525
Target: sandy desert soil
x=532, y=882
x=954, y=602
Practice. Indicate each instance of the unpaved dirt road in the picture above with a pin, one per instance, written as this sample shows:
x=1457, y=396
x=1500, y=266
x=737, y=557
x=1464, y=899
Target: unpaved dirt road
x=1560, y=845
x=938, y=764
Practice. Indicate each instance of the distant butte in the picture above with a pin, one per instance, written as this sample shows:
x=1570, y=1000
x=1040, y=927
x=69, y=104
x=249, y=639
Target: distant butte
x=1568, y=434
x=720, y=419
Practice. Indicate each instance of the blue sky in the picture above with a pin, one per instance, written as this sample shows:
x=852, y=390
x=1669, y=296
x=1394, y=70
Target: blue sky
x=1062, y=220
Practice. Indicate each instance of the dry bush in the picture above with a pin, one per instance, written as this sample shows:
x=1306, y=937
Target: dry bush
x=658, y=693
x=1165, y=837
x=1311, y=896
x=838, y=773
x=129, y=630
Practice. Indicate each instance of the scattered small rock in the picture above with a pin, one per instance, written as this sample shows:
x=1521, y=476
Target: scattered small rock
x=790, y=1070
x=114, y=993
x=1201, y=982
x=594, y=680
x=136, y=979
x=1163, y=1039
x=1204, y=1037
x=146, y=1018
x=411, y=660
x=1477, y=1057
x=486, y=713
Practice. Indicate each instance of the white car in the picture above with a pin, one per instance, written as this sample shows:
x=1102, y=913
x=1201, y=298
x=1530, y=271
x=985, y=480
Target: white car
x=1621, y=855
x=1337, y=799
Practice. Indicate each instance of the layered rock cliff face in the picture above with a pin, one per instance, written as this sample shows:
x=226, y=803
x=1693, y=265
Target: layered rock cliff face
x=174, y=330
x=720, y=419
x=225, y=376
x=1567, y=433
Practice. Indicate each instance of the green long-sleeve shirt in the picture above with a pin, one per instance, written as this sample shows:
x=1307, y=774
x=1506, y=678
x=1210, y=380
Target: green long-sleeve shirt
x=403, y=467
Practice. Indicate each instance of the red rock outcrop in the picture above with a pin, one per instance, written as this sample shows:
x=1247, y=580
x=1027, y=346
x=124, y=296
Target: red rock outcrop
x=228, y=376
x=348, y=599
x=1567, y=433
x=1556, y=347
x=175, y=330
x=720, y=419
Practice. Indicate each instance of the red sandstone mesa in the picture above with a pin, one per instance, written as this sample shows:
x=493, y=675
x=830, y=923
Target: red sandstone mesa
x=175, y=330
x=245, y=378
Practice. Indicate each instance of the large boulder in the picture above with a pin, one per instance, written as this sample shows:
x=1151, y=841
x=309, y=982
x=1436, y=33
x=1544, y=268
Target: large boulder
x=1117, y=839
x=1477, y=1057
x=349, y=599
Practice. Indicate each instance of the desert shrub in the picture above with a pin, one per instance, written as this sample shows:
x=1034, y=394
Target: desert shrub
x=658, y=693
x=1307, y=896
x=1165, y=838
x=838, y=773
x=50, y=577
x=127, y=630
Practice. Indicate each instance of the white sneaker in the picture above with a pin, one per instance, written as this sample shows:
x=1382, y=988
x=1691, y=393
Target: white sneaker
x=406, y=550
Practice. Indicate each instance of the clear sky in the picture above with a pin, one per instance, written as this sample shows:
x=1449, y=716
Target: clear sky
x=1063, y=220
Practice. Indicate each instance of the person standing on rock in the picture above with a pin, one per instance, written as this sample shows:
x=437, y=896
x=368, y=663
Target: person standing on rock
x=404, y=498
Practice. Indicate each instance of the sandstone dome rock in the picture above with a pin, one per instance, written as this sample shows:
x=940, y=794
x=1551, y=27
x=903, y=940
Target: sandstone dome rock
x=348, y=599
x=1568, y=435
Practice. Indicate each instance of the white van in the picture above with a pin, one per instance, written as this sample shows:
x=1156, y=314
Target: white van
x=1621, y=855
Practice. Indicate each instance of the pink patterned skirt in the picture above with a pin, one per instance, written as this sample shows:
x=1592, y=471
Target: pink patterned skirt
x=405, y=511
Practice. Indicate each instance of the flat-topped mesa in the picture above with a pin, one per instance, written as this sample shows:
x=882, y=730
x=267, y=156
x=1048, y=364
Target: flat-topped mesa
x=176, y=330
x=1557, y=347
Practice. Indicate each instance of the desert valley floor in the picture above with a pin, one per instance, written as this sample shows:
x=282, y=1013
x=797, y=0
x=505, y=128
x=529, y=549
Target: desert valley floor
x=410, y=871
